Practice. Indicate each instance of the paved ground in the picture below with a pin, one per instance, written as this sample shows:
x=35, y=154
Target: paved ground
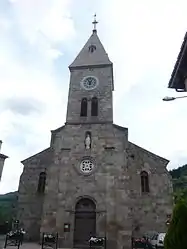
x=24, y=246
x=2, y=239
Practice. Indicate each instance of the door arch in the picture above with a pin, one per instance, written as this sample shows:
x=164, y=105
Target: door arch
x=85, y=221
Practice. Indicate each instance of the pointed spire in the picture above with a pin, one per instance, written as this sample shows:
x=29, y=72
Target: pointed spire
x=93, y=52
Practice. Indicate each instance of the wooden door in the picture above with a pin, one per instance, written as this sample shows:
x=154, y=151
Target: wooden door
x=85, y=222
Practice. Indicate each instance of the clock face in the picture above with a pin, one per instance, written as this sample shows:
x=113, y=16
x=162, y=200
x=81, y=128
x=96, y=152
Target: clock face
x=89, y=83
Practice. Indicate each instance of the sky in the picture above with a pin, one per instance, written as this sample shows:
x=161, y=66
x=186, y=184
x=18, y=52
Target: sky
x=40, y=38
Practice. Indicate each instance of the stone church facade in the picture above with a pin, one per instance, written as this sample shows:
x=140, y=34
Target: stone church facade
x=92, y=180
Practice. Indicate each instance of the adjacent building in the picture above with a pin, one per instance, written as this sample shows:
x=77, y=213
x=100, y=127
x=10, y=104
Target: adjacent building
x=92, y=180
x=178, y=79
x=2, y=160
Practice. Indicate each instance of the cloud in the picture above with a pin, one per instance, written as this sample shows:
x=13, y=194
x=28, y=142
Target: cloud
x=23, y=106
x=31, y=95
x=51, y=18
x=39, y=39
x=147, y=40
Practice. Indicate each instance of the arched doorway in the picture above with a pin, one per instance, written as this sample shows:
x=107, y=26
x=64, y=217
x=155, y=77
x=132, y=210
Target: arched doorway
x=85, y=222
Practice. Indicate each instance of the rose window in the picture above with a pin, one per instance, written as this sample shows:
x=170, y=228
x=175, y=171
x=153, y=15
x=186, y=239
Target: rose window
x=86, y=166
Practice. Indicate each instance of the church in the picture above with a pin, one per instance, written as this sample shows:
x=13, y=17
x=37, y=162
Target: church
x=92, y=180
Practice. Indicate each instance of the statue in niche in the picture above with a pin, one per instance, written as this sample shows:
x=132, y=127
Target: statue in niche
x=88, y=141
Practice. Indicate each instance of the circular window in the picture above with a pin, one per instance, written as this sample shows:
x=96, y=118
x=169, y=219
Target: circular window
x=89, y=83
x=86, y=166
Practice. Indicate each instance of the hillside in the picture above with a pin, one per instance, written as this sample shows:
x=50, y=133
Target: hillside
x=9, y=197
x=179, y=177
x=181, y=171
x=8, y=203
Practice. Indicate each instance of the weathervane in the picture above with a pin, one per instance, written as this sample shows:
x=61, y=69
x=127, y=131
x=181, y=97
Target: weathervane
x=95, y=22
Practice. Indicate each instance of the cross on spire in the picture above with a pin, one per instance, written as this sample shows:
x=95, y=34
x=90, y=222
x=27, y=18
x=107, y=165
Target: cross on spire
x=95, y=22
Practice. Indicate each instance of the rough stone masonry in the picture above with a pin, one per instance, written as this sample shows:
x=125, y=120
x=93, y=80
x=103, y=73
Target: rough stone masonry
x=110, y=187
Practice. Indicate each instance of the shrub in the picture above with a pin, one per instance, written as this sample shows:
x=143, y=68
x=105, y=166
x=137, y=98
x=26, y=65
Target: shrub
x=176, y=236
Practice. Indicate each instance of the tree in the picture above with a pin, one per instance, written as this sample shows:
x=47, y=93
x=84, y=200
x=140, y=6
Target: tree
x=176, y=236
x=4, y=215
x=179, y=195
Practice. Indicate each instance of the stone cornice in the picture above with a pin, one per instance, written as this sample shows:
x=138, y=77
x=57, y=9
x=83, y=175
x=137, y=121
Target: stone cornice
x=85, y=123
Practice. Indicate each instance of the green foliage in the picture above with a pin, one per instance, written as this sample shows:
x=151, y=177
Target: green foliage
x=179, y=177
x=4, y=214
x=177, y=173
x=8, y=203
x=180, y=194
x=176, y=237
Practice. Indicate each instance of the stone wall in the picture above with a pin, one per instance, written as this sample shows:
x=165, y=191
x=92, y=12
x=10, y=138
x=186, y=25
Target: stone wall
x=114, y=185
x=30, y=203
x=66, y=183
x=150, y=210
x=2, y=160
x=103, y=92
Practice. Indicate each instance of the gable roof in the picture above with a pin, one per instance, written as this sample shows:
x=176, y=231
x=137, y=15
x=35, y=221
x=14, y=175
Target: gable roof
x=39, y=154
x=162, y=159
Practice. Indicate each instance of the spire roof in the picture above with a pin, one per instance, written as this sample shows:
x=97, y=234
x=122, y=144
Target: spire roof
x=92, y=54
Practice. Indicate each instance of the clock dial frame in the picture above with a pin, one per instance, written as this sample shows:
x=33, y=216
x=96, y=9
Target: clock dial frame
x=89, y=82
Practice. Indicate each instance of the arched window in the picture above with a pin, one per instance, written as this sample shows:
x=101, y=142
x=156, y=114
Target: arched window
x=84, y=105
x=144, y=182
x=41, y=182
x=94, y=107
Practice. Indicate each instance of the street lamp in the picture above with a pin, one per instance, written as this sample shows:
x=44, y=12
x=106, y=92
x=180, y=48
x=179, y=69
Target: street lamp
x=173, y=98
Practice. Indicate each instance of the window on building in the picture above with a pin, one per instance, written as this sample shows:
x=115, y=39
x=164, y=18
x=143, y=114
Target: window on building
x=84, y=106
x=92, y=48
x=94, y=107
x=144, y=182
x=41, y=182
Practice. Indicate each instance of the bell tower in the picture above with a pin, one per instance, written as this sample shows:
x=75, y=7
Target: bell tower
x=91, y=85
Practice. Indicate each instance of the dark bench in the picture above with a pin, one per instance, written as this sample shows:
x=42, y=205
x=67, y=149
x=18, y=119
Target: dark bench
x=14, y=238
x=50, y=240
x=97, y=242
x=140, y=243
